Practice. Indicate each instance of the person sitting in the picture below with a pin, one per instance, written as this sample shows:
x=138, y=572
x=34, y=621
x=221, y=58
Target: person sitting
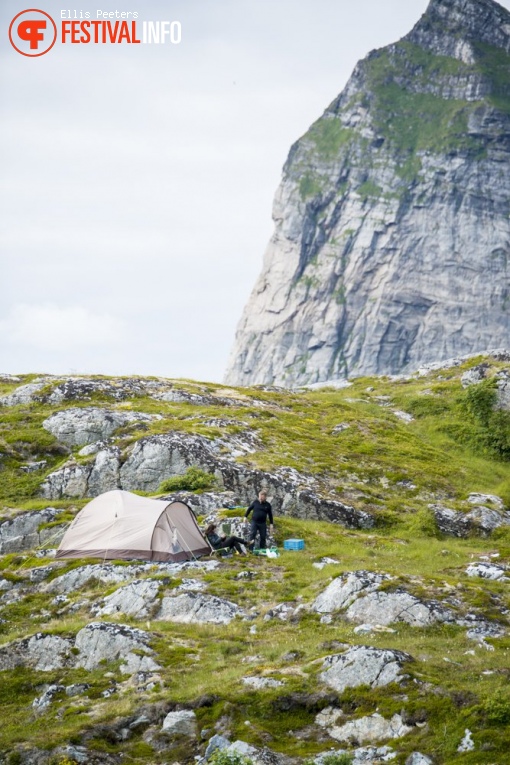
x=218, y=542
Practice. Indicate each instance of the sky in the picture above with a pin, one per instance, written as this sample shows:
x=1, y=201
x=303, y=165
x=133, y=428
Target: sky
x=137, y=180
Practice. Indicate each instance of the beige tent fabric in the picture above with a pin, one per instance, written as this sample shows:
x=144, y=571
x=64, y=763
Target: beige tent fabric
x=121, y=525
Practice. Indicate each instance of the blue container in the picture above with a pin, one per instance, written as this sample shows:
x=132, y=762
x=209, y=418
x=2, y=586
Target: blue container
x=294, y=544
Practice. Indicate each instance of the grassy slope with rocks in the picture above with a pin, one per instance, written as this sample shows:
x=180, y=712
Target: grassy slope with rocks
x=391, y=468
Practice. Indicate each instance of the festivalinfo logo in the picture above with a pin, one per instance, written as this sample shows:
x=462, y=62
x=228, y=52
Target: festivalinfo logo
x=33, y=32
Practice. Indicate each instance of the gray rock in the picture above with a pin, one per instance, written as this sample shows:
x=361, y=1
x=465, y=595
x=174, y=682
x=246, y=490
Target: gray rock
x=487, y=499
x=404, y=416
x=481, y=520
x=99, y=642
x=343, y=426
x=417, y=758
x=323, y=562
x=370, y=729
x=183, y=723
x=344, y=590
x=259, y=683
x=474, y=376
x=44, y=701
x=118, y=389
x=79, y=754
x=82, y=426
x=42, y=652
x=23, y=532
x=77, y=689
x=387, y=607
x=369, y=755
x=216, y=743
x=33, y=467
x=284, y=612
x=487, y=571
x=363, y=665
x=112, y=574
x=25, y=394
x=467, y=743
x=195, y=608
x=136, y=599
x=244, y=749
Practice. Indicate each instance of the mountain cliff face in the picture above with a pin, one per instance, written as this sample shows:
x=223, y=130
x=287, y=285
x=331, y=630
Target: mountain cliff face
x=392, y=221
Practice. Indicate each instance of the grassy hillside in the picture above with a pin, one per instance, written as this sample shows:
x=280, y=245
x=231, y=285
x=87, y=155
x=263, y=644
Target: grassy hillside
x=456, y=444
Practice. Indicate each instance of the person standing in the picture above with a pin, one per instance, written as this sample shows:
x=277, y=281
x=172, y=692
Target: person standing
x=262, y=511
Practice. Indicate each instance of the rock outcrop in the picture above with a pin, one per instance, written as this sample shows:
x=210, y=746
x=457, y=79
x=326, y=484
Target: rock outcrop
x=28, y=530
x=152, y=459
x=392, y=231
x=82, y=426
x=363, y=665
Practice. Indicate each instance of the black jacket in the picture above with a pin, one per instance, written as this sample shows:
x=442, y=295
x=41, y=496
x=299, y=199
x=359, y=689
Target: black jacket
x=261, y=511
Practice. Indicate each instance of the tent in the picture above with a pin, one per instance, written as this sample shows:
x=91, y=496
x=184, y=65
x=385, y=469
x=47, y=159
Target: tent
x=121, y=525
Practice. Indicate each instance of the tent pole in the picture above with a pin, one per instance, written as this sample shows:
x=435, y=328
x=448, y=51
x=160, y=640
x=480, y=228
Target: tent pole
x=109, y=540
x=185, y=546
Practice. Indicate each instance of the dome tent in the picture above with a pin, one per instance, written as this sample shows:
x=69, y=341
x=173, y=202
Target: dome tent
x=121, y=525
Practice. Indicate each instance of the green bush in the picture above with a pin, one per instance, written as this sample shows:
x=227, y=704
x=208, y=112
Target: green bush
x=193, y=480
x=497, y=709
x=222, y=757
x=493, y=424
x=335, y=758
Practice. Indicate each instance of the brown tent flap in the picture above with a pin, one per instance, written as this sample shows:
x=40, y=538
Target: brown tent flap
x=124, y=526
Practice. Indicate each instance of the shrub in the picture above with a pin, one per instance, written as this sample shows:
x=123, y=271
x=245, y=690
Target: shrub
x=493, y=424
x=497, y=709
x=334, y=758
x=222, y=757
x=193, y=480
x=337, y=759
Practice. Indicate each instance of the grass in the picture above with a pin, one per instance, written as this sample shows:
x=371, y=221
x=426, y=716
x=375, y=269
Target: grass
x=444, y=452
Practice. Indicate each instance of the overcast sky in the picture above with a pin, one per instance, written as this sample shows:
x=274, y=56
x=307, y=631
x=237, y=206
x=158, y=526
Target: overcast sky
x=137, y=181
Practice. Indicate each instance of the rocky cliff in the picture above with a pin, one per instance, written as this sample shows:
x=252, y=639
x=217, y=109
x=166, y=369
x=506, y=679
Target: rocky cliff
x=392, y=227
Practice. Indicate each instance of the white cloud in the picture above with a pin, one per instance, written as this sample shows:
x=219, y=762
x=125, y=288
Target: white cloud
x=50, y=327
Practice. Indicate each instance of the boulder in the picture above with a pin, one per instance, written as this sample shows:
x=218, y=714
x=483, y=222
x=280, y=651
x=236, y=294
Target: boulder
x=370, y=729
x=25, y=394
x=363, y=665
x=487, y=571
x=345, y=589
x=417, y=758
x=195, y=608
x=82, y=426
x=489, y=500
x=44, y=701
x=42, y=652
x=467, y=743
x=386, y=607
x=115, y=574
x=100, y=641
x=135, y=599
x=118, y=389
x=216, y=743
x=183, y=723
x=85, y=479
x=69, y=481
x=368, y=755
x=259, y=683
x=24, y=532
x=475, y=375
x=481, y=519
